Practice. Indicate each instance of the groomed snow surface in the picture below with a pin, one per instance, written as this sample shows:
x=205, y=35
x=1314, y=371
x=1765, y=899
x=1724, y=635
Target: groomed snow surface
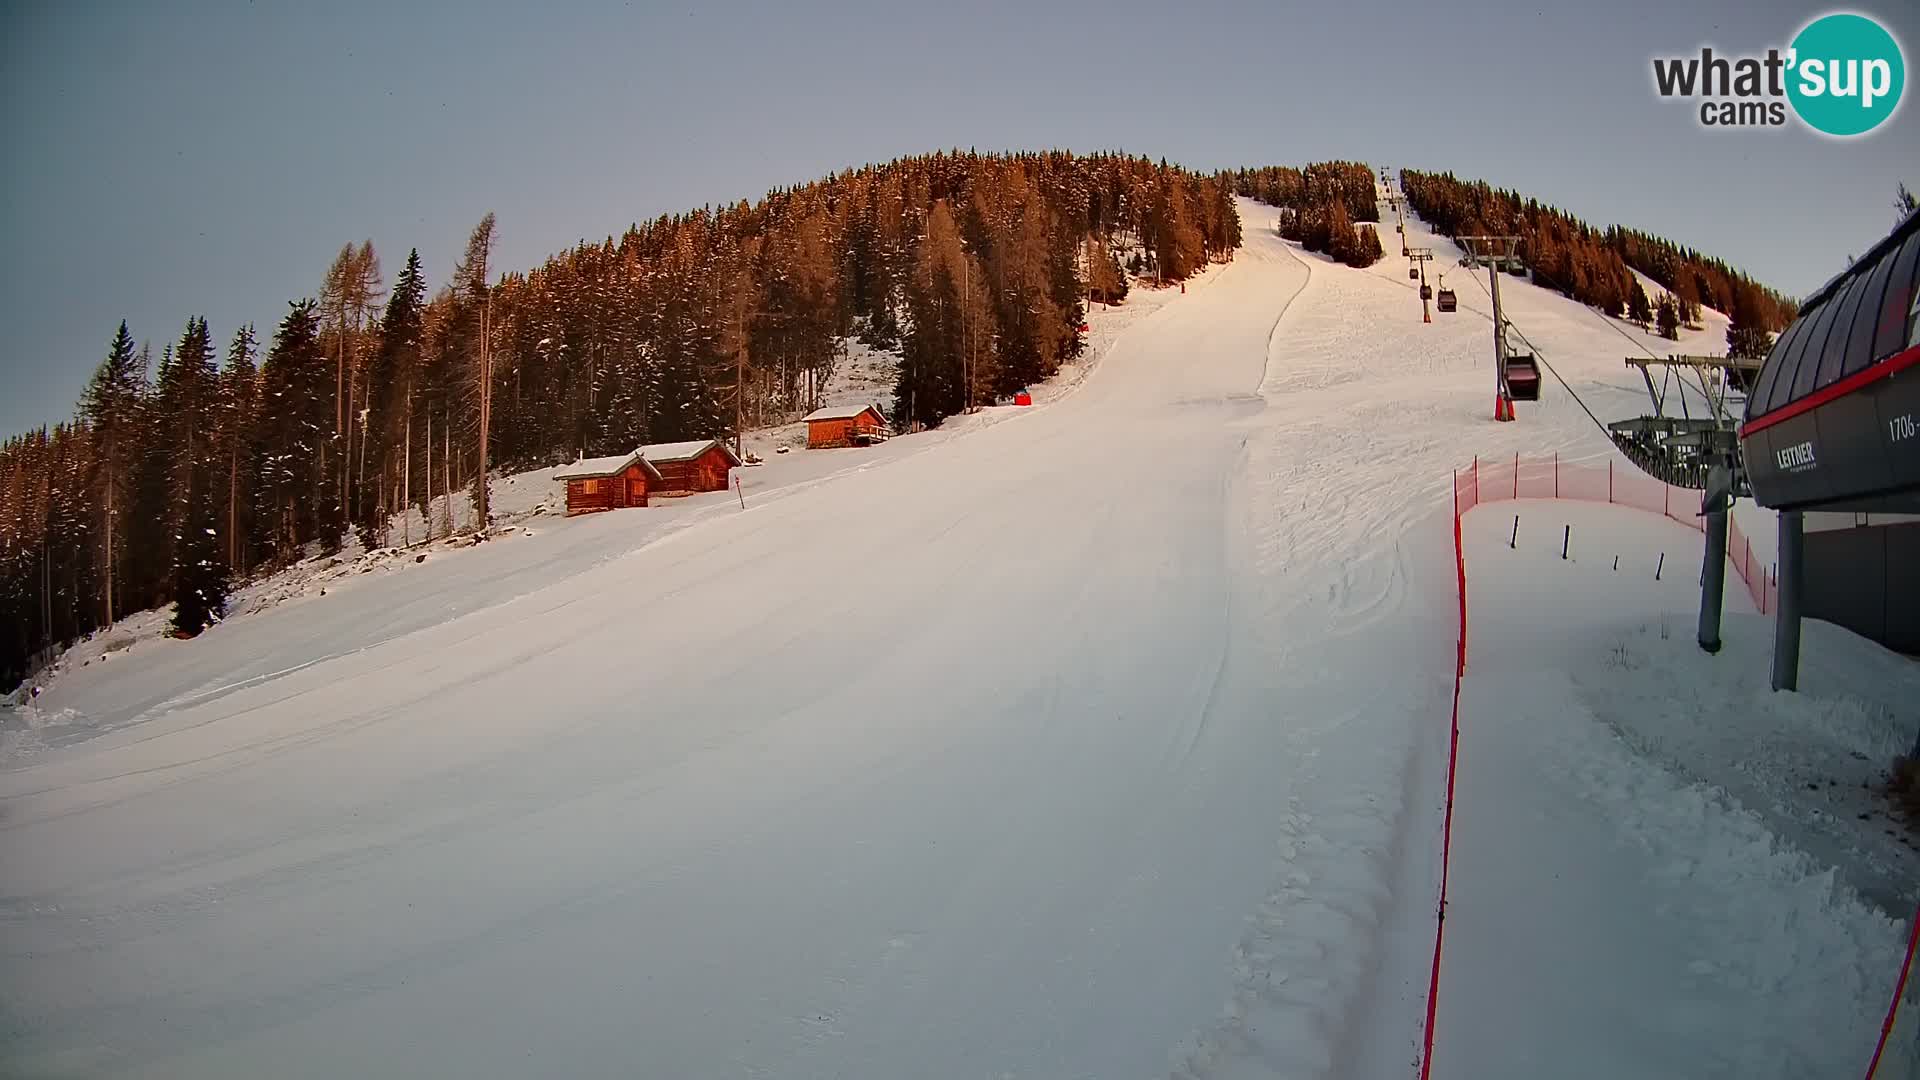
x=1098, y=739
x=1650, y=870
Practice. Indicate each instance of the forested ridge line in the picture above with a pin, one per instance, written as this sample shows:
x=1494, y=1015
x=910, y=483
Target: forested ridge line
x=175, y=479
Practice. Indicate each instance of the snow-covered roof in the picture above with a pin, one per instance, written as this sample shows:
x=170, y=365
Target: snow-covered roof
x=685, y=451
x=592, y=468
x=842, y=412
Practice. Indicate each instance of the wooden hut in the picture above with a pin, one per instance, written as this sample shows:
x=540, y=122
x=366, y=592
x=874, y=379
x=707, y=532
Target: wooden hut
x=845, y=425
x=607, y=483
x=687, y=467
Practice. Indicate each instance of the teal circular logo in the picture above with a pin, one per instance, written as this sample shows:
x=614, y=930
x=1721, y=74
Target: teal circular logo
x=1846, y=74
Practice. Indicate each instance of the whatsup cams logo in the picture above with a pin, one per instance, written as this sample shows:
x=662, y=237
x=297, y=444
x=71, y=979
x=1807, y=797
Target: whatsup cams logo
x=1842, y=75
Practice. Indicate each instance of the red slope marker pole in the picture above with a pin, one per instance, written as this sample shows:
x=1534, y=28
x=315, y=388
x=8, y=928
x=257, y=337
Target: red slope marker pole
x=1899, y=988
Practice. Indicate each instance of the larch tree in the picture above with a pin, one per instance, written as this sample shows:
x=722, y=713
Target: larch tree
x=1747, y=335
x=689, y=325
x=1590, y=265
x=350, y=294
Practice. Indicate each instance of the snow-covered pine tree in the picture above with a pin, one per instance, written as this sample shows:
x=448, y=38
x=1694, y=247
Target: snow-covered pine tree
x=473, y=299
x=1639, y=308
x=111, y=409
x=236, y=399
x=1667, y=317
x=389, y=397
x=294, y=415
x=187, y=398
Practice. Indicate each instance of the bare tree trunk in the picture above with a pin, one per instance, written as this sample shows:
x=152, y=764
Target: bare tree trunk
x=406, y=481
x=320, y=516
x=346, y=470
x=110, y=531
x=233, y=510
x=340, y=370
x=486, y=417
x=361, y=482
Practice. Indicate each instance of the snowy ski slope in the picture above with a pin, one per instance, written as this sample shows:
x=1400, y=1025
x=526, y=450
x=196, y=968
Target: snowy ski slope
x=1633, y=892
x=1099, y=739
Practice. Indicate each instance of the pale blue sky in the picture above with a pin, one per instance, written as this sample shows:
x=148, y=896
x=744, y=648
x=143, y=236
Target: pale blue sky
x=166, y=159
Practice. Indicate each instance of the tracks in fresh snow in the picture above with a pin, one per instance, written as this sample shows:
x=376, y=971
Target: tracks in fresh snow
x=1019, y=755
x=1349, y=557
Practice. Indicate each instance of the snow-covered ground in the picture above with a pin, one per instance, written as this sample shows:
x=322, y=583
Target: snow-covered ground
x=863, y=375
x=1103, y=738
x=1657, y=862
x=330, y=605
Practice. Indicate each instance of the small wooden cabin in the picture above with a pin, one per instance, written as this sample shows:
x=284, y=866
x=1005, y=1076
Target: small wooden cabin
x=687, y=467
x=607, y=483
x=845, y=425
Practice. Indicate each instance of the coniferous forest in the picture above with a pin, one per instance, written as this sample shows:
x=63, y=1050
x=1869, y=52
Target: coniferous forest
x=1322, y=206
x=233, y=456
x=228, y=457
x=1594, y=266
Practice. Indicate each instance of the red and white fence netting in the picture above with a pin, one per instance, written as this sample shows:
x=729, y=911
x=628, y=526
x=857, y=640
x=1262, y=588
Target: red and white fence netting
x=1519, y=477
x=1550, y=478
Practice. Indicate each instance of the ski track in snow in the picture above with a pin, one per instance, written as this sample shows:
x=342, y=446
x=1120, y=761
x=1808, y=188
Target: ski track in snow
x=547, y=810
x=1610, y=914
x=1102, y=739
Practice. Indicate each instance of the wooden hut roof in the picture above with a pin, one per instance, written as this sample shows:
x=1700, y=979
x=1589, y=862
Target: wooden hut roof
x=685, y=451
x=843, y=412
x=595, y=468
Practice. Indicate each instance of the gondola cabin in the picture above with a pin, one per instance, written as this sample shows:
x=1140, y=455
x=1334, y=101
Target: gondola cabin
x=1426, y=292
x=687, y=467
x=1447, y=301
x=607, y=483
x=845, y=425
x=1523, y=377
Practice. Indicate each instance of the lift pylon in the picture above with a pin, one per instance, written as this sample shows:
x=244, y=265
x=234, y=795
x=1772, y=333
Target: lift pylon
x=1492, y=252
x=1420, y=257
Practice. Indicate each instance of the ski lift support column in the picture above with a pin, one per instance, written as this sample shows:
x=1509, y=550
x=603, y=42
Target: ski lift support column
x=1710, y=442
x=1422, y=256
x=1493, y=252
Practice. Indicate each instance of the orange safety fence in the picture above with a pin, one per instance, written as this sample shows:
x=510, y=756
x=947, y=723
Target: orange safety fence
x=1610, y=482
x=1550, y=478
x=1453, y=762
x=1899, y=990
